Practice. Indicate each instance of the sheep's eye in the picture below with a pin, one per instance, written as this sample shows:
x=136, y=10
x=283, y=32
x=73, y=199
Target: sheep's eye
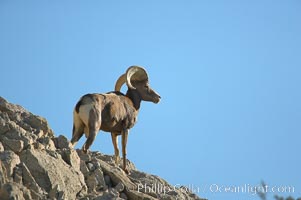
x=147, y=88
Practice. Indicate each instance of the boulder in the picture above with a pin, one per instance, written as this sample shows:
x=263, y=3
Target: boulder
x=61, y=142
x=14, y=191
x=52, y=173
x=71, y=157
x=13, y=144
x=29, y=181
x=9, y=160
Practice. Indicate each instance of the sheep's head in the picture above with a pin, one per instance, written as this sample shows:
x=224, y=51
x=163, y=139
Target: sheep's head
x=136, y=78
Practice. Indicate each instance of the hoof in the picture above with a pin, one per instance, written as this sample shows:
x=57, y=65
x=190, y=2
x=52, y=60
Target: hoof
x=126, y=171
x=85, y=150
x=117, y=160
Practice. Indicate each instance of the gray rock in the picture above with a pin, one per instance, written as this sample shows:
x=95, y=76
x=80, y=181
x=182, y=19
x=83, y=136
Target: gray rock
x=17, y=176
x=95, y=181
x=83, y=168
x=1, y=147
x=37, y=123
x=61, y=142
x=84, y=156
x=123, y=196
x=99, y=156
x=47, y=143
x=71, y=157
x=49, y=172
x=14, y=191
x=91, y=167
x=111, y=160
x=56, y=193
x=114, y=192
x=13, y=144
x=95, y=163
x=91, y=183
x=135, y=195
x=9, y=160
x=36, y=195
x=100, y=178
x=119, y=187
x=4, y=126
x=117, y=175
x=29, y=181
x=108, y=180
x=108, y=196
x=3, y=177
x=15, y=132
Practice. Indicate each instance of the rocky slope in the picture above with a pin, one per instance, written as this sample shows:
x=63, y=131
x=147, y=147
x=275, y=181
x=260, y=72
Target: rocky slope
x=35, y=164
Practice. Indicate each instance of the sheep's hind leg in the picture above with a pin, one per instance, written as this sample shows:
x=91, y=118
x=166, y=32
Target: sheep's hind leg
x=89, y=140
x=77, y=133
x=94, y=125
x=115, y=144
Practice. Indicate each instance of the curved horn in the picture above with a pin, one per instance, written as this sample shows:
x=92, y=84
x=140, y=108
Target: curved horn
x=135, y=73
x=120, y=82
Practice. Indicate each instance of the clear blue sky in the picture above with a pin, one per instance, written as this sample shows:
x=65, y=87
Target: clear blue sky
x=229, y=73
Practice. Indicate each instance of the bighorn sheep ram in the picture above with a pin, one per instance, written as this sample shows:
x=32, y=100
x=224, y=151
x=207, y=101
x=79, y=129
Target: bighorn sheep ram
x=113, y=112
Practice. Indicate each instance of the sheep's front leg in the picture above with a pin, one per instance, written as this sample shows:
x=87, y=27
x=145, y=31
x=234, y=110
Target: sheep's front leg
x=115, y=144
x=124, y=142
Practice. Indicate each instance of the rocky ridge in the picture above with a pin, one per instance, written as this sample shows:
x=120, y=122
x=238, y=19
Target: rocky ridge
x=35, y=164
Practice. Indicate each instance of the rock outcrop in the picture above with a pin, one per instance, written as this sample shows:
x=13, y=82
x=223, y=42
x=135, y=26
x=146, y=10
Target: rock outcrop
x=35, y=164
